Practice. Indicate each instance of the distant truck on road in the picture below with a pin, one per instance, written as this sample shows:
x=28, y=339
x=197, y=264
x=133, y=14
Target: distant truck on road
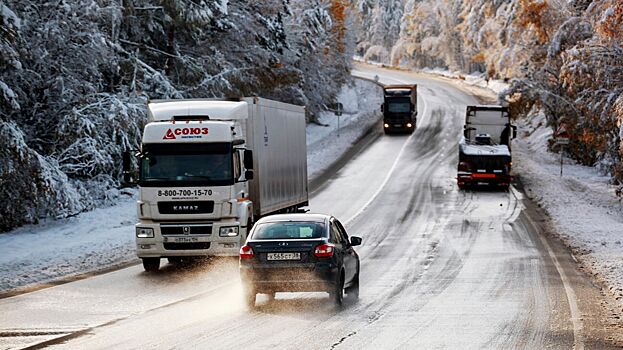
x=209, y=168
x=399, y=108
x=485, y=149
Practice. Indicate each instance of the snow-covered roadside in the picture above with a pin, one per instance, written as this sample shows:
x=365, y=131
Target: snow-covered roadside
x=582, y=205
x=361, y=110
x=104, y=237
x=470, y=80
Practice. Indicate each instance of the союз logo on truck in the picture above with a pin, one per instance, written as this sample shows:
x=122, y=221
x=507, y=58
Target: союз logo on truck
x=170, y=134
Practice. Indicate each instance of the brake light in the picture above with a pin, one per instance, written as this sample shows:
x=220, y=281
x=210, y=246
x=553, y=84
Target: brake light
x=324, y=250
x=465, y=166
x=246, y=252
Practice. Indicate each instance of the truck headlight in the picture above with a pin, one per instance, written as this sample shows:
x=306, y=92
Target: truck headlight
x=144, y=232
x=228, y=231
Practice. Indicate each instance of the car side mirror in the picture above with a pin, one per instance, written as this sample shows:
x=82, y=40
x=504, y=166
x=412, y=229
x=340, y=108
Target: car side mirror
x=382, y=107
x=355, y=241
x=248, y=160
x=248, y=175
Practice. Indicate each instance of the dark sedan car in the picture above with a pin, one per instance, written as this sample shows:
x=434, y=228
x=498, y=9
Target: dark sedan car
x=299, y=253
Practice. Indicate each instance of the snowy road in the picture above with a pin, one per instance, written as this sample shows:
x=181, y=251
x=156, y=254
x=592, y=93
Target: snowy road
x=440, y=269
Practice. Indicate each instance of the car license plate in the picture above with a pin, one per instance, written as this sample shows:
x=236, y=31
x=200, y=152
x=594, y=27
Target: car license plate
x=397, y=125
x=283, y=256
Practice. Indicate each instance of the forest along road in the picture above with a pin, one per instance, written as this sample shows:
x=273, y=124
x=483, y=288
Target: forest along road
x=441, y=268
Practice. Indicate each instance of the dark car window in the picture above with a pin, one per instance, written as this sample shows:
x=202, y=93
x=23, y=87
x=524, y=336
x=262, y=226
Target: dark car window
x=336, y=234
x=288, y=230
x=342, y=231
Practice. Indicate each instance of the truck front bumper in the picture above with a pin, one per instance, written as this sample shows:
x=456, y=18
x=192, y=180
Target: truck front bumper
x=171, y=244
x=465, y=179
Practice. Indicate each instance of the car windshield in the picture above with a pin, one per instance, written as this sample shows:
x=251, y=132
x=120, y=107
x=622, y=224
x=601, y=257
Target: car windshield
x=401, y=105
x=289, y=230
x=187, y=165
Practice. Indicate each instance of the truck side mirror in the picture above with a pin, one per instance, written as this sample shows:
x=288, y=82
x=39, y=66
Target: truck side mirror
x=248, y=160
x=126, y=166
x=382, y=107
x=248, y=175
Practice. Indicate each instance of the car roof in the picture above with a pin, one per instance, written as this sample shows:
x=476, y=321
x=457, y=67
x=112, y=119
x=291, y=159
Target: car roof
x=295, y=217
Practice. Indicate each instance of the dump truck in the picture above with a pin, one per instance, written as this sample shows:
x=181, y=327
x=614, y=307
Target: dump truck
x=485, y=148
x=399, y=108
x=209, y=168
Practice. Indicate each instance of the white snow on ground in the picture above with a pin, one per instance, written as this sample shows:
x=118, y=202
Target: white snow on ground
x=361, y=110
x=581, y=204
x=104, y=237
x=474, y=79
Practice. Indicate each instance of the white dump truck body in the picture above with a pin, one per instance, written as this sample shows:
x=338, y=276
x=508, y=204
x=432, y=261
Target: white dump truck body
x=195, y=197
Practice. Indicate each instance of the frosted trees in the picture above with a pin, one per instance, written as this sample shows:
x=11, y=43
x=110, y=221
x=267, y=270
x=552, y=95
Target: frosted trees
x=75, y=76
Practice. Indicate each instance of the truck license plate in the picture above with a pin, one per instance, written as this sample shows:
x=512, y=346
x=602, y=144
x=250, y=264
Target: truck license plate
x=283, y=256
x=185, y=239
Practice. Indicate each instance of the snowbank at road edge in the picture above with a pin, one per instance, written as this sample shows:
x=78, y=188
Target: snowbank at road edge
x=582, y=204
x=104, y=237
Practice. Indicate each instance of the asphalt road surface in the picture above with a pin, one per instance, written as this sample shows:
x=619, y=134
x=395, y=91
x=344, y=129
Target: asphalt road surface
x=441, y=268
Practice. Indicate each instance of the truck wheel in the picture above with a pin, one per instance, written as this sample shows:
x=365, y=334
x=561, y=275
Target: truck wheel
x=353, y=290
x=151, y=264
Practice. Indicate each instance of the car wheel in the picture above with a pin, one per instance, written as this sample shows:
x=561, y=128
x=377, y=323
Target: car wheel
x=151, y=264
x=353, y=290
x=338, y=292
x=249, y=297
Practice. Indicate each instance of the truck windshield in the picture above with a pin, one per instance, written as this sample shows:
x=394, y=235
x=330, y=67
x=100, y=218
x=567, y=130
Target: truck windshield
x=399, y=105
x=187, y=165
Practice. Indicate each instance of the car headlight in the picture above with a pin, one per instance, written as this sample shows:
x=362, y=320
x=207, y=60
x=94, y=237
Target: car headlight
x=144, y=232
x=228, y=231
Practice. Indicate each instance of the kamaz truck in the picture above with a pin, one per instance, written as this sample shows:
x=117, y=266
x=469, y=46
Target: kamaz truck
x=210, y=168
x=485, y=149
x=399, y=108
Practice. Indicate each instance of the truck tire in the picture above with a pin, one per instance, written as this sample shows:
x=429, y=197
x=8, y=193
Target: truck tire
x=151, y=264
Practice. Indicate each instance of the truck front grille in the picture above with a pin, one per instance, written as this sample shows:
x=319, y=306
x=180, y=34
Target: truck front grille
x=187, y=246
x=189, y=207
x=181, y=229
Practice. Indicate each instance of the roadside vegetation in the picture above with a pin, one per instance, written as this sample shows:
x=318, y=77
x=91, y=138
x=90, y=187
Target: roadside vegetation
x=75, y=76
